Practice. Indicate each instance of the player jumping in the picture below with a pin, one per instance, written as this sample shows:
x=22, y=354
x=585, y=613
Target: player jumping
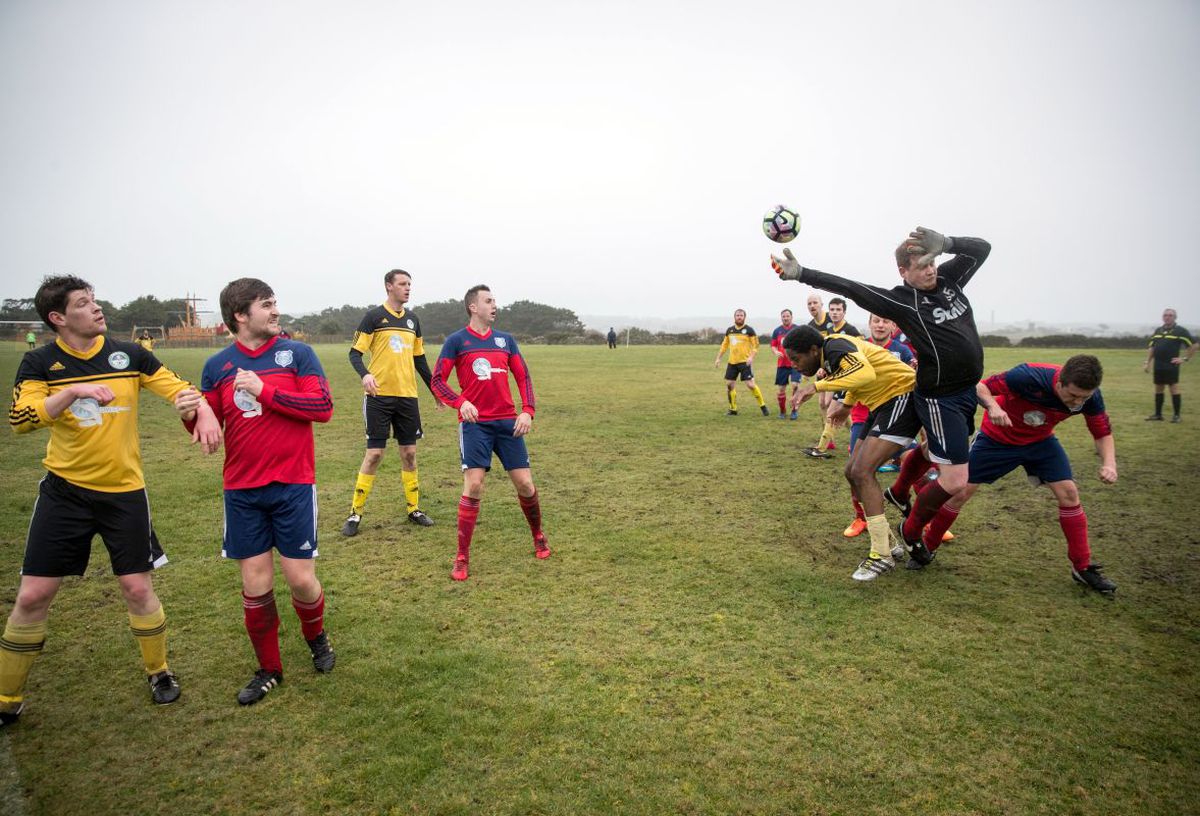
x=931, y=308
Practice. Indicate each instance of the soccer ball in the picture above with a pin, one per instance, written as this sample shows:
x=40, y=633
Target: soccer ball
x=781, y=224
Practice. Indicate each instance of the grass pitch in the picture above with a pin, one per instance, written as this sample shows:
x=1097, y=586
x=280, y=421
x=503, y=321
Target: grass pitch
x=695, y=644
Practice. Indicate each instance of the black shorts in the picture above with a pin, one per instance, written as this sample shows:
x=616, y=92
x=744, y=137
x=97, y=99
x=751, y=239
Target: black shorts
x=736, y=371
x=895, y=421
x=66, y=517
x=1166, y=375
x=391, y=416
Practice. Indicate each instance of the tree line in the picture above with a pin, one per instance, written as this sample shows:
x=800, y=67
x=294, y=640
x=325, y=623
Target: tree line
x=146, y=310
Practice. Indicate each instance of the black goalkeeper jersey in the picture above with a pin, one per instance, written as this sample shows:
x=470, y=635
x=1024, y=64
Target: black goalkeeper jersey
x=940, y=324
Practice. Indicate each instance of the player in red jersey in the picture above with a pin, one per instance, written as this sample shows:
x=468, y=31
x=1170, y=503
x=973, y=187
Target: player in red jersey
x=267, y=392
x=1022, y=406
x=488, y=419
x=784, y=373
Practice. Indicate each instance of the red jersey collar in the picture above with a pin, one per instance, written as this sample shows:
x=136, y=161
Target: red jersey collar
x=258, y=352
x=477, y=334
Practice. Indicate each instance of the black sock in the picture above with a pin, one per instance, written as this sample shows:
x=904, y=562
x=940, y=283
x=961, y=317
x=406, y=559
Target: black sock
x=1158, y=401
x=1175, y=400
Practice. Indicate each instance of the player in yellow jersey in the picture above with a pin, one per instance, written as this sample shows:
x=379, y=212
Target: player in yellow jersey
x=84, y=387
x=873, y=376
x=391, y=335
x=741, y=342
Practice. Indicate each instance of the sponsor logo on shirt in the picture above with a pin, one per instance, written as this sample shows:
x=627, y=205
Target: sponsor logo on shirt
x=483, y=369
x=956, y=310
x=247, y=404
x=90, y=413
x=283, y=359
x=119, y=360
x=397, y=343
x=1034, y=419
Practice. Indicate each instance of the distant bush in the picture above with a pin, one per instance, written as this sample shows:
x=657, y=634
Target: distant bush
x=1126, y=341
x=995, y=340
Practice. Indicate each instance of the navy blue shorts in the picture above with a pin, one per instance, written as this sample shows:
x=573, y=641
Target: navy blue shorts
x=279, y=516
x=477, y=441
x=949, y=422
x=783, y=375
x=1044, y=461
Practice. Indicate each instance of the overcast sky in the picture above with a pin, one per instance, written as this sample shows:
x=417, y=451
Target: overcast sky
x=612, y=158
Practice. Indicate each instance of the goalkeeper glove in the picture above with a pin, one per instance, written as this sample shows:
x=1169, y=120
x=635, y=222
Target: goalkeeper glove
x=928, y=243
x=787, y=267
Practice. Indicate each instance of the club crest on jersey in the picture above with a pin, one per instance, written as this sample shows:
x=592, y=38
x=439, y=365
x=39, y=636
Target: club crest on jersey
x=119, y=360
x=283, y=358
x=1034, y=419
x=482, y=368
x=500, y=342
x=408, y=323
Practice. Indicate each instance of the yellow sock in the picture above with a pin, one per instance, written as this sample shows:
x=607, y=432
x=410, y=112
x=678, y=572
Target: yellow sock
x=732, y=400
x=362, y=489
x=412, y=494
x=826, y=436
x=19, y=647
x=757, y=392
x=151, y=633
x=881, y=536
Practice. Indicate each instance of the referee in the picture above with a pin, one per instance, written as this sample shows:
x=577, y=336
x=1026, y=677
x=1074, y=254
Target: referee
x=1167, y=346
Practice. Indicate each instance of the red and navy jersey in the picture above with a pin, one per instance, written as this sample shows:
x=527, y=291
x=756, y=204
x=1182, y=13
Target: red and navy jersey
x=777, y=343
x=483, y=362
x=1026, y=393
x=268, y=439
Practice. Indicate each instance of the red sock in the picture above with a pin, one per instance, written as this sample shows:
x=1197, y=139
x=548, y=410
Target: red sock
x=859, y=513
x=311, y=614
x=1074, y=527
x=533, y=512
x=913, y=466
x=782, y=402
x=262, y=624
x=929, y=501
x=468, y=514
x=938, y=527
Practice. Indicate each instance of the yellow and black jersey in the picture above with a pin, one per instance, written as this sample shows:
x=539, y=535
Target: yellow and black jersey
x=824, y=324
x=741, y=342
x=869, y=374
x=393, y=341
x=844, y=328
x=91, y=445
